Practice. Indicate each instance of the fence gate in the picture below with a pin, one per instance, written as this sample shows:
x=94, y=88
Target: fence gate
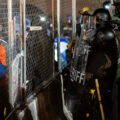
x=30, y=46
x=15, y=51
x=31, y=29
x=4, y=97
x=39, y=43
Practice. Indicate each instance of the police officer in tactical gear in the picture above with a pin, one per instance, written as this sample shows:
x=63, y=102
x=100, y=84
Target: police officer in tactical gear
x=114, y=9
x=102, y=62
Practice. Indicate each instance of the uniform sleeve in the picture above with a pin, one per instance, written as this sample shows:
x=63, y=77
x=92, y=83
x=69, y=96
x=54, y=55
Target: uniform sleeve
x=105, y=37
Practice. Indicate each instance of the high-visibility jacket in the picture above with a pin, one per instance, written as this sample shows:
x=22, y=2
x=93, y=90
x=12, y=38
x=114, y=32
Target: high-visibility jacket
x=3, y=64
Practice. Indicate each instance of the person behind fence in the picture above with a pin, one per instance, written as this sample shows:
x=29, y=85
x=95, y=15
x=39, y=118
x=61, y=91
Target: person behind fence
x=4, y=101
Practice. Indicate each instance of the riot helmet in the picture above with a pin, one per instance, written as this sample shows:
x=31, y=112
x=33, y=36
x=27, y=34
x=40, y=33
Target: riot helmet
x=102, y=16
x=110, y=7
x=85, y=11
x=107, y=5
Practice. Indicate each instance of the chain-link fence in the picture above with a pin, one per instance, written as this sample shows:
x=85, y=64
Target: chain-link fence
x=63, y=11
x=36, y=38
x=4, y=59
x=39, y=43
x=3, y=52
x=3, y=21
x=15, y=44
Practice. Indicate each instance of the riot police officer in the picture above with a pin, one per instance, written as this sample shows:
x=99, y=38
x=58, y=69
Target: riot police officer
x=102, y=62
x=114, y=9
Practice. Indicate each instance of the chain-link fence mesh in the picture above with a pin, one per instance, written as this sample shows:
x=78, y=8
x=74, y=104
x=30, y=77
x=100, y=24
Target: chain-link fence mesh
x=3, y=53
x=3, y=21
x=16, y=51
x=65, y=30
x=66, y=9
x=39, y=43
x=4, y=92
x=15, y=46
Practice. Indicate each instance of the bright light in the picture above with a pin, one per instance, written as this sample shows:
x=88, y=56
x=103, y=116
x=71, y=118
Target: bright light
x=107, y=7
x=43, y=19
x=51, y=25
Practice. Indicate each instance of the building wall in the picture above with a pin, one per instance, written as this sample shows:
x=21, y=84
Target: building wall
x=66, y=5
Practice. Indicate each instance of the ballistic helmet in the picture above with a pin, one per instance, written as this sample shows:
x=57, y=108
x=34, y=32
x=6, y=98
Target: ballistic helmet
x=102, y=15
x=85, y=10
x=107, y=5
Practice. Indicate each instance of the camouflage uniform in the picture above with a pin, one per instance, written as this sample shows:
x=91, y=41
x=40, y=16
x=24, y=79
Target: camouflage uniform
x=116, y=85
x=117, y=32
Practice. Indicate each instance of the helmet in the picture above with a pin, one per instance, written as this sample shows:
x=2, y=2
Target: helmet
x=85, y=10
x=107, y=5
x=102, y=15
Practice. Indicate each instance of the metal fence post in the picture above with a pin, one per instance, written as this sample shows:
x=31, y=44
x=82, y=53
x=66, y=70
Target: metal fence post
x=58, y=34
x=53, y=30
x=24, y=40
x=53, y=18
x=23, y=46
x=74, y=19
x=10, y=49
